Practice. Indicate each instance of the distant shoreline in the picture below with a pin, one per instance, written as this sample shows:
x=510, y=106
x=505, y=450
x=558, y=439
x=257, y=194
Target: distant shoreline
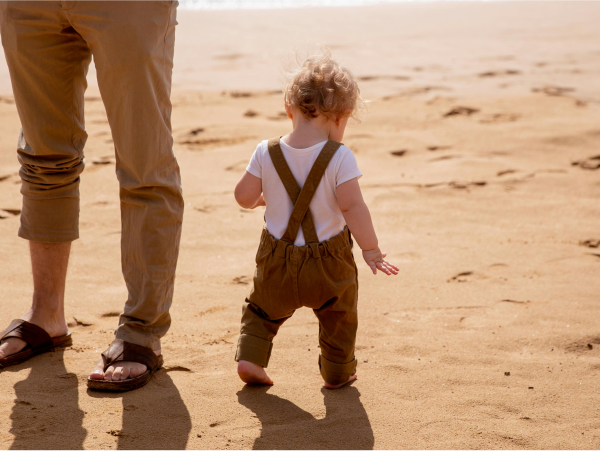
x=211, y=5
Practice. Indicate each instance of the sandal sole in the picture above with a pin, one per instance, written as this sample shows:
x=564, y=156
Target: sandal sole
x=22, y=356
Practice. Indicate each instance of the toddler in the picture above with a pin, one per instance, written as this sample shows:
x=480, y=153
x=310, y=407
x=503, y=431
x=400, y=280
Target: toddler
x=309, y=184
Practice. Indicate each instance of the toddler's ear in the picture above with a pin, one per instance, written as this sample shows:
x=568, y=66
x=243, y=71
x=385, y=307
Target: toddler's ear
x=288, y=110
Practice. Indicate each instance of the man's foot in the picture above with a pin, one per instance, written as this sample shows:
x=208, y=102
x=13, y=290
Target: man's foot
x=56, y=327
x=119, y=371
x=251, y=373
x=333, y=387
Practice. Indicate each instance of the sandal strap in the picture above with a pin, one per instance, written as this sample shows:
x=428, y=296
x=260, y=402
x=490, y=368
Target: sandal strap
x=123, y=351
x=33, y=335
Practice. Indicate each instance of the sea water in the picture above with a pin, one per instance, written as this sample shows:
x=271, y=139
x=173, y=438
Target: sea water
x=274, y=4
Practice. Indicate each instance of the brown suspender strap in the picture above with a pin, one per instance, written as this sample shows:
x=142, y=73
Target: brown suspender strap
x=301, y=198
x=292, y=188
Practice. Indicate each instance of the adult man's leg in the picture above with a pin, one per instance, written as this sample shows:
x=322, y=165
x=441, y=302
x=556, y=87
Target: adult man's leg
x=133, y=47
x=49, y=266
x=48, y=63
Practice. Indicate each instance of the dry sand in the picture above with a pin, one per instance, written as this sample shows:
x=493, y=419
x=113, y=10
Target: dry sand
x=485, y=212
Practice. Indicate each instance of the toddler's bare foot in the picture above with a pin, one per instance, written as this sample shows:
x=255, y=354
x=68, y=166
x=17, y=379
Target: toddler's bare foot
x=251, y=373
x=333, y=387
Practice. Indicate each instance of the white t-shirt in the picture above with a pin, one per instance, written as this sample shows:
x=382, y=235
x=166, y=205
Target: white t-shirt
x=326, y=213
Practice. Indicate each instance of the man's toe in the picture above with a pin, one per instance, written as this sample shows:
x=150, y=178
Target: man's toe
x=125, y=374
x=11, y=346
x=135, y=371
x=98, y=372
x=117, y=373
x=109, y=373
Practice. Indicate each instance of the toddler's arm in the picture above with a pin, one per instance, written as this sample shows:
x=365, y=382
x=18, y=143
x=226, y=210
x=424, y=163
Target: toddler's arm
x=357, y=216
x=248, y=192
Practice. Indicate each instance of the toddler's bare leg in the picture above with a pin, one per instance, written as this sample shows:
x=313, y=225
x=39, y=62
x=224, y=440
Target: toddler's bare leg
x=251, y=373
x=255, y=343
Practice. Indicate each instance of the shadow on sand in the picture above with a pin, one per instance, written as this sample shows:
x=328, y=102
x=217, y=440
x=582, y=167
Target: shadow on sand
x=46, y=414
x=286, y=426
x=154, y=416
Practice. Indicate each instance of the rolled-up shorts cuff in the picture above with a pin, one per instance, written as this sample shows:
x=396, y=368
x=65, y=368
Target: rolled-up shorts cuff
x=50, y=220
x=254, y=349
x=147, y=340
x=336, y=373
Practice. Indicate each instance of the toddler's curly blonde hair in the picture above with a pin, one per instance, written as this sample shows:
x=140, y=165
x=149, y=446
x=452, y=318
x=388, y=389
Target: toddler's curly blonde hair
x=323, y=86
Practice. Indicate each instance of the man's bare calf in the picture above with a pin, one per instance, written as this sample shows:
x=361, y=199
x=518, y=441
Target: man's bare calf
x=49, y=263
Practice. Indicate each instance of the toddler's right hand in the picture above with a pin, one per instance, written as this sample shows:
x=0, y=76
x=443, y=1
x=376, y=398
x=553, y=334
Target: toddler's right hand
x=376, y=261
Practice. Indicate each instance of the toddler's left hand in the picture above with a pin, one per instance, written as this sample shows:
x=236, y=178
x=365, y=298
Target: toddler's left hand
x=376, y=261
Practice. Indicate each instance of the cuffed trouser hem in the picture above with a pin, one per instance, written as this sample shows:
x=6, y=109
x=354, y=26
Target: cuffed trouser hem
x=139, y=338
x=254, y=349
x=336, y=373
x=54, y=238
x=50, y=220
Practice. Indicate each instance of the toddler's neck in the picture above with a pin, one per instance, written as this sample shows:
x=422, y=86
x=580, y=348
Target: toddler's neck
x=308, y=132
x=305, y=136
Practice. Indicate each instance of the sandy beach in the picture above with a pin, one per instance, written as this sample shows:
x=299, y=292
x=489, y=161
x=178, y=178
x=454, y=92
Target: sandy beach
x=481, y=162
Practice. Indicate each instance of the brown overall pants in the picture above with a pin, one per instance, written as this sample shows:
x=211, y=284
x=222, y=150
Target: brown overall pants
x=48, y=47
x=319, y=275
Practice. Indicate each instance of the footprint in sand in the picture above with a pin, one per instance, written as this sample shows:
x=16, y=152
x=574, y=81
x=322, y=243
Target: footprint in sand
x=436, y=148
x=512, y=301
x=499, y=118
x=498, y=73
x=591, y=163
x=81, y=321
x=101, y=161
x=211, y=310
x=461, y=111
x=9, y=213
x=583, y=345
x=241, y=280
x=417, y=90
x=383, y=77
x=464, y=276
x=177, y=368
x=398, y=153
x=110, y=314
x=251, y=113
x=590, y=243
x=445, y=157
x=238, y=165
x=466, y=185
x=552, y=90
x=7, y=176
x=282, y=115
x=199, y=144
x=206, y=208
x=505, y=172
x=239, y=94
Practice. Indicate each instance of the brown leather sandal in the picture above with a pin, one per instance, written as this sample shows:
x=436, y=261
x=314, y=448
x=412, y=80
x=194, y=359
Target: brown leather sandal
x=37, y=339
x=123, y=351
